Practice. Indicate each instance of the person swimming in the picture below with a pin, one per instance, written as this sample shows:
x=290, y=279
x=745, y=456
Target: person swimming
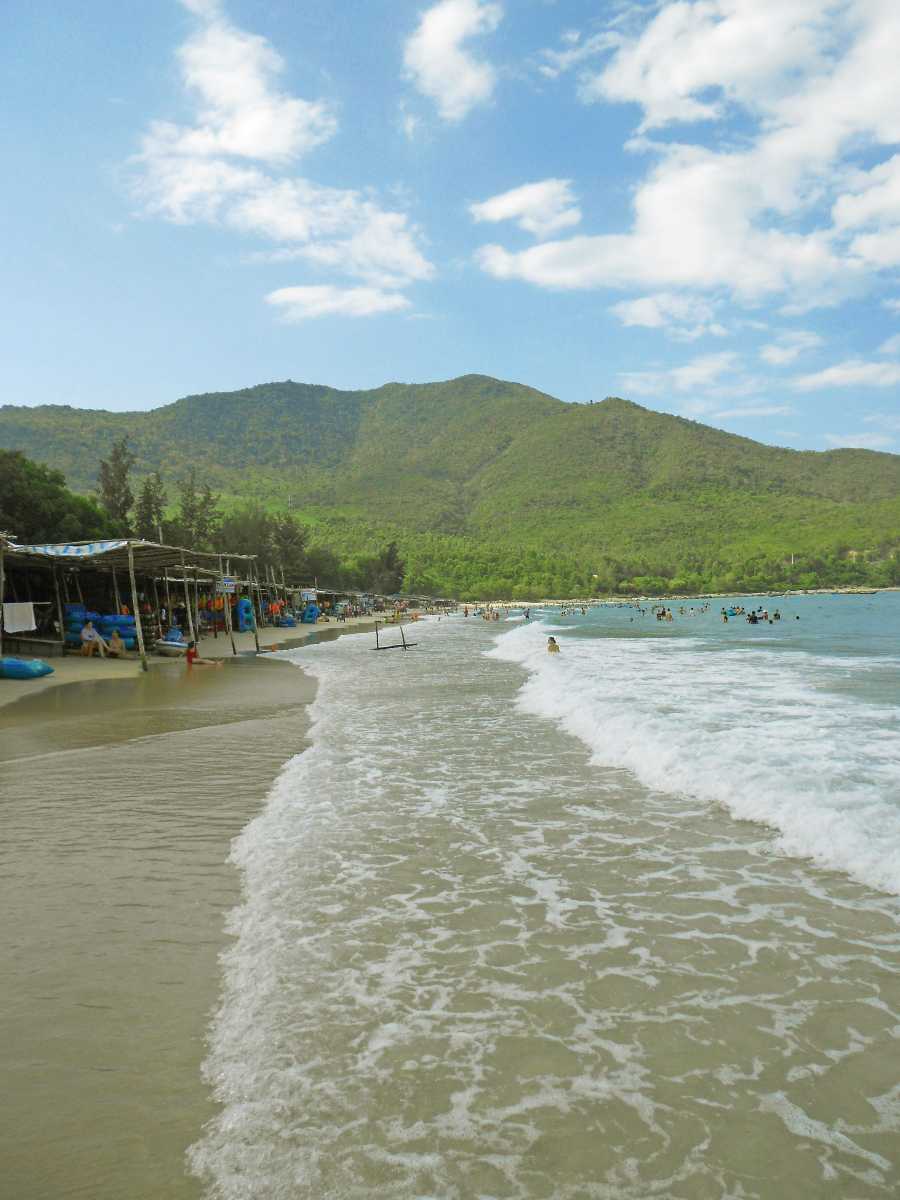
x=552, y=645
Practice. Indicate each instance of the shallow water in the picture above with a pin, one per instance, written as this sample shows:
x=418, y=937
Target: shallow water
x=118, y=801
x=483, y=951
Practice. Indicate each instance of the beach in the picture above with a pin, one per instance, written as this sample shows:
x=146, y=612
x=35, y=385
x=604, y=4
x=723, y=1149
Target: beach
x=74, y=668
x=494, y=923
x=120, y=793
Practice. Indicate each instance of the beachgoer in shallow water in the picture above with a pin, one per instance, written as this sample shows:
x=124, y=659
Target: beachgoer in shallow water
x=552, y=645
x=193, y=659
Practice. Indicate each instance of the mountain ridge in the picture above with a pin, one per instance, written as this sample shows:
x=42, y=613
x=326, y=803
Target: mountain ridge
x=608, y=489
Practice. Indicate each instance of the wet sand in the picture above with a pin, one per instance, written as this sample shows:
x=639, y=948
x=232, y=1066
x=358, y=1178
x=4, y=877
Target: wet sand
x=119, y=800
x=73, y=668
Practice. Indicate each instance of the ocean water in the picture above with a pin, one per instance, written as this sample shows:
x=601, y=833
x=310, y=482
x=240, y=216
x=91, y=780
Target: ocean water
x=619, y=923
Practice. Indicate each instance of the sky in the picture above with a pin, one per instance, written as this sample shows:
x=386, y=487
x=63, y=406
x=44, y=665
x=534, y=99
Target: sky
x=693, y=204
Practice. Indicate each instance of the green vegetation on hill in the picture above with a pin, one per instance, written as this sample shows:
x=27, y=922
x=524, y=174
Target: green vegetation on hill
x=36, y=505
x=494, y=488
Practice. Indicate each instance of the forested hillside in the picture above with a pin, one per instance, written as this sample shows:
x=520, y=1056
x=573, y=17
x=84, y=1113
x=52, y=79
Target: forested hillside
x=492, y=487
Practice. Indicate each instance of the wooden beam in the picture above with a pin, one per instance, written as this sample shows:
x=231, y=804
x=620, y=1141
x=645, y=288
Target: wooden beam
x=136, y=609
x=226, y=608
x=2, y=594
x=59, y=610
x=259, y=603
x=187, y=599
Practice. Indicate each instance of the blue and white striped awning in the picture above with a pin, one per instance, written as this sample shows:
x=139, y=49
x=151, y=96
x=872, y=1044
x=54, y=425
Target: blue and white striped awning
x=117, y=554
x=70, y=549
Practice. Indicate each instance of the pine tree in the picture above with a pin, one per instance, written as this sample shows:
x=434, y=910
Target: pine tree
x=151, y=503
x=198, y=514
x=116, y=497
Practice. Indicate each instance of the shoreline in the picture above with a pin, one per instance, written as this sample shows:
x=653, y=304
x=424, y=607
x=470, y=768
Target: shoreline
x=128, y=792
x=73, y=668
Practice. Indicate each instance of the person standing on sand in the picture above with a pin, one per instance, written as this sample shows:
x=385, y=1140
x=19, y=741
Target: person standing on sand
x=552, y=645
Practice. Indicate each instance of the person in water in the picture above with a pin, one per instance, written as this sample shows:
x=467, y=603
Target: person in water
x=552, y=645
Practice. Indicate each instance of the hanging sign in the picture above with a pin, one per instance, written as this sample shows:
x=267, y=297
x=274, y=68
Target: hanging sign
x=227, y=584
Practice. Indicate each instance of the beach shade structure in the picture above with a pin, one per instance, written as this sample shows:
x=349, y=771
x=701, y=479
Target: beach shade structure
x=115, y=557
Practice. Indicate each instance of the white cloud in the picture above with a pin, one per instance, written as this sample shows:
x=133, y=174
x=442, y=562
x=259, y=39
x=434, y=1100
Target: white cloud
x=892, y=305
x=232, y=73
x=539, y=208
x=889, y=421
x=891, y=345
x=852, y=373
x=684, y=317
x=753, y=215
x=693, y=59
x=303, y=303
x=229, y=167
x=441, y=67
x=699, y=374
x=753, y=411
x=576, y=50
x=859, y=441
x=788, y=347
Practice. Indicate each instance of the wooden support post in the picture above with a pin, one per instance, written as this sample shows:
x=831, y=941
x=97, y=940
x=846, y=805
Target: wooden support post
x=253, y=611
x=59, y=610
x=226, y=608
x=197, y=602
x=78, y=585
x=2, y=594
x=116, y=590
x=65, y=586
x=168, y=599
x=136, y=608
x=187, y=600
x=157, y=621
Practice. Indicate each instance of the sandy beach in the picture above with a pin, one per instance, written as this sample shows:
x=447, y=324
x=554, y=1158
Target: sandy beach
x=121, y=793
x=73, y=668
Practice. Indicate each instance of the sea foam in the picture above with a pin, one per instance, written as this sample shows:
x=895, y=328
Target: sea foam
x=754, y=730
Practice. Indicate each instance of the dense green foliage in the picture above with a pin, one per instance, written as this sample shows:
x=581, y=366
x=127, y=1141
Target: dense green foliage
x=492, y=488
x=113, y=487
x=36, y=505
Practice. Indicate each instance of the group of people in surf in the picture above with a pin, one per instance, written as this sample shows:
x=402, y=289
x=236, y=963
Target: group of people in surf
x=757, y=616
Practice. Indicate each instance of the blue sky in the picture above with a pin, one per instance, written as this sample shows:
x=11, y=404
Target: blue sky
x=693, y=204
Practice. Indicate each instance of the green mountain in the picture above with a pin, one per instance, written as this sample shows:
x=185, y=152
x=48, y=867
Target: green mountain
x=495, y=487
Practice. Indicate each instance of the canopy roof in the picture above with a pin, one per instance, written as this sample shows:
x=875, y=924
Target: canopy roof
x=148, y=556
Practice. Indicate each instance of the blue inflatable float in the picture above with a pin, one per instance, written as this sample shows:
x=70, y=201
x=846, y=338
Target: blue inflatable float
x=24, y=668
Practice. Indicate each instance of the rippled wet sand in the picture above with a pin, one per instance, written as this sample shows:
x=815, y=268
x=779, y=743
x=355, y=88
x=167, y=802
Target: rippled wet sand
x=118, y=802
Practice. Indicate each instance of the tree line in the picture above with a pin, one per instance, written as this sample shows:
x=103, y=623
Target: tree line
x=36, y=506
